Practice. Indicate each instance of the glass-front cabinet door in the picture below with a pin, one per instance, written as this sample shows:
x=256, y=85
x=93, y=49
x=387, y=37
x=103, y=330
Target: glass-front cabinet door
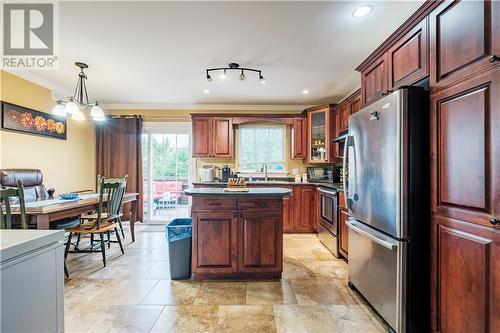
x=319, y=135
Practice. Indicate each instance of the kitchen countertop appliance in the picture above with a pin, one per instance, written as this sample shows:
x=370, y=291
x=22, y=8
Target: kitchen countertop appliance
x=323, y=174
x=389, y=220
x=225, y=173
x=207, y=173
x=328, y=219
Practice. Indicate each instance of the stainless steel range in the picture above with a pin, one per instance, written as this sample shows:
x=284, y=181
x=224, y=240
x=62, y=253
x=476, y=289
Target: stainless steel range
x=388, y=195
x=328, y=222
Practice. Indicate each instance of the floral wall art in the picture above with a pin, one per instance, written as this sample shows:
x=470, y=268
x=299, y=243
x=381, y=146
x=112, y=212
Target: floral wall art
x=20, y=119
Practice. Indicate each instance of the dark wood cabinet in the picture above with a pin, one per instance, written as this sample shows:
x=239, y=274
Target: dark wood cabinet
x=464, y=36
x=299, y=138
x=408, y=59
x=343, y=232
x=356, y=104
x=466, y=150
x=466, y=281
x=214, y=239
x=260, y=242
x=374, y=81
x=223, y=137
x=344, y=111
x=305, y=208
x=318, y=134
x=202, y=136
x=341, y=113
x=335, y=146
x=212, y=137
x=287, y=214
x=466, y=205
x=237, y=237
x=404, y=63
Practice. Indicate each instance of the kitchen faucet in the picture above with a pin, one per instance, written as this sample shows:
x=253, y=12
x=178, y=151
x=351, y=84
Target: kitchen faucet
x=263, y=168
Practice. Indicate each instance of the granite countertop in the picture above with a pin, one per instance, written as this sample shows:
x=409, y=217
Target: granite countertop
x=14, y=242
x=264, y=192
x=335, y=186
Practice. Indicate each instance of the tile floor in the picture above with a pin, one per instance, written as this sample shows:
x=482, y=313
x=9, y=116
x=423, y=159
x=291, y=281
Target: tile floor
x=134, y=294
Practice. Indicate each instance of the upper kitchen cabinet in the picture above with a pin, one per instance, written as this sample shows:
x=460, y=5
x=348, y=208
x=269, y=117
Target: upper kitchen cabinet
x=374, y=81
x=465, y=40
x=212, y=136
x=319, y=127
x=408, y=59
x=341, y=113
x=299, y=138
x=202, y=135
x=344, y=111
x=404, y=63
x=355, y=102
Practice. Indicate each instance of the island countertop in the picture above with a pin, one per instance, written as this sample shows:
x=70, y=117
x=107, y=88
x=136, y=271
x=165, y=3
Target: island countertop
x=261, y=192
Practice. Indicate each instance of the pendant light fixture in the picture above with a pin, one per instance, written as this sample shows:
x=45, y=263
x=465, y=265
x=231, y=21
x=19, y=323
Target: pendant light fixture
x=234, y=66
x=76, y=104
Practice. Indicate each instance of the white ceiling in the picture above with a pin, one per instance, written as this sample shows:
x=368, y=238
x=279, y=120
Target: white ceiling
x=156, y=53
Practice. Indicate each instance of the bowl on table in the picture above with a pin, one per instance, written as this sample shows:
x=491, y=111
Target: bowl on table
x=69, y=196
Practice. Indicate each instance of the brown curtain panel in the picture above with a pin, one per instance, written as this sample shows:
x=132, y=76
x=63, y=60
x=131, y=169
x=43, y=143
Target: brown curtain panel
x=119, y=153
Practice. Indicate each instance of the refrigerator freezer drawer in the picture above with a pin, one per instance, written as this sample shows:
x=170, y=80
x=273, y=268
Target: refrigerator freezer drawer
x=376, y=269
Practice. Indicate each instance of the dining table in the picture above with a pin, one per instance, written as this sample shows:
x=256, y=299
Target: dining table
x=42, y=212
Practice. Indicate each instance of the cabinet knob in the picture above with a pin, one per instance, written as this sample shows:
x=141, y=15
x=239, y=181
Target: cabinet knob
x=494, y=58
x=494, y=221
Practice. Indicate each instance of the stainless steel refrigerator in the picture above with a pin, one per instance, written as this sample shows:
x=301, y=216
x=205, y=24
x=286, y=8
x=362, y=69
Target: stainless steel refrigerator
x=388, y=195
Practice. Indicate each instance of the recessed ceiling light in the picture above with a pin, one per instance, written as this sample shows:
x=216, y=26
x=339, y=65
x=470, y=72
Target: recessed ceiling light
x=206, y=91
x=362, y=11
x=305, y=92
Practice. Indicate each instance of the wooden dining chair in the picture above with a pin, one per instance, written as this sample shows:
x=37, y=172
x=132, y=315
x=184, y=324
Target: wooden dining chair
x=5, y=206
x=93, y=215
x=105, y=219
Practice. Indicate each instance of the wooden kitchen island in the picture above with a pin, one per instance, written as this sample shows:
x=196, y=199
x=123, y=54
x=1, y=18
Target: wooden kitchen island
x=237, y=235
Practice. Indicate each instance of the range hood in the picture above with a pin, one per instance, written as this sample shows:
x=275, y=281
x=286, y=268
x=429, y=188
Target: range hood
x=341, y=138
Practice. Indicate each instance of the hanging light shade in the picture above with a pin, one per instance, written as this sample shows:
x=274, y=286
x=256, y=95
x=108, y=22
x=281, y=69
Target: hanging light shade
x=79, y=116
x=58, y=110
x=71, y=107
x=96, y=111
x=99, y=118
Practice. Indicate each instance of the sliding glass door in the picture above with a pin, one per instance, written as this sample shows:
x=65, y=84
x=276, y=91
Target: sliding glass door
x=166, y=172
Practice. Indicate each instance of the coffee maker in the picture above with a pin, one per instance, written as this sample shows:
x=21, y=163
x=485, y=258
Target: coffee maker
x=225, y=173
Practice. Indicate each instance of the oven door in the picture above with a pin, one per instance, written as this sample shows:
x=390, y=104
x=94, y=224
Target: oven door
x=328, y=209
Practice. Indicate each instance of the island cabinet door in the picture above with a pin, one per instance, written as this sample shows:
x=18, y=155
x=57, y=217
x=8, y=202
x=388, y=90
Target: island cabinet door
x=214, y=242
x=260, y=242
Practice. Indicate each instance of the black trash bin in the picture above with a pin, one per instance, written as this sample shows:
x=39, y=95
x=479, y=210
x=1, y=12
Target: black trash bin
x=179, y=233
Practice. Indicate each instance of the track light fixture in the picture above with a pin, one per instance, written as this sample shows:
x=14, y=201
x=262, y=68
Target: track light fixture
x=235, y=66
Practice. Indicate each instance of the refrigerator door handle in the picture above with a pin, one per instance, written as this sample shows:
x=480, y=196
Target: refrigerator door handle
x=348, y=142
x=374, y=236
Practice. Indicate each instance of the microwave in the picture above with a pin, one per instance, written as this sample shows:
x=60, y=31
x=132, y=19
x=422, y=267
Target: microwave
x=323, y=174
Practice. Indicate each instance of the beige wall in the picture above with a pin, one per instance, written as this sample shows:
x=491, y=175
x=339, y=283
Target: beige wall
x=67, y=165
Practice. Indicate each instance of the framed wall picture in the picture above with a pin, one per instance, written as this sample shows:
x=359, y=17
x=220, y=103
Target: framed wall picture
x=20, y=119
